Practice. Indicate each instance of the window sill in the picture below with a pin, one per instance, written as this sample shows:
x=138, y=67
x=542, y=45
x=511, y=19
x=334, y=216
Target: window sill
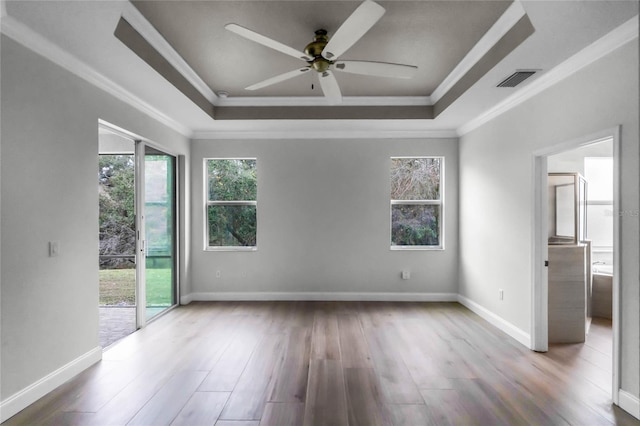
x=417, y=248
x=231, y=249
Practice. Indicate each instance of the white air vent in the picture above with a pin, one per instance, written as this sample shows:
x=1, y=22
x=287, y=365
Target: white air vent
x=516, y=78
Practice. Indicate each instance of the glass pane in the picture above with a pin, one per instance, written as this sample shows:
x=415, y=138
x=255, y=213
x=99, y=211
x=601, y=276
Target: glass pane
x=415, y=178
x=232, y=180
x=415, y=225
x=565, y=210
x=232, y=226
x=159, y=215
x=600, y=225
x=599, y=173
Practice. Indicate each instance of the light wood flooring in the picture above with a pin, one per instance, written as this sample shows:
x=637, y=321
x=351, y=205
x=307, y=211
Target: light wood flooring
x=334, y=363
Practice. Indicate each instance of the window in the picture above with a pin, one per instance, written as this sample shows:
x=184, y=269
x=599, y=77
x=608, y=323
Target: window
x=231, y=204
x=599, y=174
x=417, y=203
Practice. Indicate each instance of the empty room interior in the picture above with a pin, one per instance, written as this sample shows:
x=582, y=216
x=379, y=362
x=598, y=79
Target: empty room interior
x=243, y=213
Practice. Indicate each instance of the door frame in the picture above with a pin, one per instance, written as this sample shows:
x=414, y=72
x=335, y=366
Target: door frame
x=539, y=311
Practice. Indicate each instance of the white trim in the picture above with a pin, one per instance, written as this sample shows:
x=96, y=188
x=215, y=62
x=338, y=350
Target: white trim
x=27, y=396
x=105, y=125
x=617, y=250
x=155, y=39
x=320, y=296
x=508, y=19
x=32, y=40
x=322, y=101
x=141, y=238
x=321, y=133
x=539, y=254
x=629, y=403
x=499, y=322
x=618, y=37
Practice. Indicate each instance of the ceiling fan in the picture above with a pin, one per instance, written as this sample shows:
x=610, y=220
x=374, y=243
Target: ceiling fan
x=322, y=54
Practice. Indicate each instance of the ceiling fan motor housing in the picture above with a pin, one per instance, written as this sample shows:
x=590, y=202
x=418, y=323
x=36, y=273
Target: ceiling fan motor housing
x=315, y=48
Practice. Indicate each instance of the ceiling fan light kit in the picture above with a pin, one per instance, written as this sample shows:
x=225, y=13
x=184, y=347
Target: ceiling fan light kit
x=323, y=52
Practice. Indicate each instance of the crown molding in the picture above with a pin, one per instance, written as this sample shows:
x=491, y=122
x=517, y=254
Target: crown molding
x=615, y=39
x=509, y=18
x=343, y=131
x=24, y=35
x=138, y=21
x=321, y=101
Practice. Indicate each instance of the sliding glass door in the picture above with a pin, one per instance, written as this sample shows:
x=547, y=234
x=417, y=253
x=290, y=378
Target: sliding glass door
x=157, y=273
x=137, y=233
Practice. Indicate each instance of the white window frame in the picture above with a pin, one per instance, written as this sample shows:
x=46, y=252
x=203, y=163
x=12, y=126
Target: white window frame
x=439, y=202
x=208, y=203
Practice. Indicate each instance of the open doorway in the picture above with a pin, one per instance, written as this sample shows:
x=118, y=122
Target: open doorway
x=117, y=237
x=575, y=306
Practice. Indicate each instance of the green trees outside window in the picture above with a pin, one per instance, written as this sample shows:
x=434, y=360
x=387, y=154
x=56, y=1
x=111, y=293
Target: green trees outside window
x=416, y=202
x=117, y=227
x=231, y=210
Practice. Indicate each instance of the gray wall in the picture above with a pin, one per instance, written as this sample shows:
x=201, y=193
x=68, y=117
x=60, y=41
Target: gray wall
x=323, y=220
x=496, y=181
x=49, y=192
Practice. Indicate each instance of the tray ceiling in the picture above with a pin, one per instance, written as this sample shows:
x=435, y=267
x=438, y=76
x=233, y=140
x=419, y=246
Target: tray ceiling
x=433, y=35
x=449, y=40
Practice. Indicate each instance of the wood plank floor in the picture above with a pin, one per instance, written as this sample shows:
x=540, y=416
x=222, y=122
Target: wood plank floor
x=334, y=363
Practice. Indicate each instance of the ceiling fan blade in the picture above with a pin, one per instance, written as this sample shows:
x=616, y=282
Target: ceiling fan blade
x=379, y=69
x=356, y=25
x=278, y=78
x=330, y=87
x=266, y=41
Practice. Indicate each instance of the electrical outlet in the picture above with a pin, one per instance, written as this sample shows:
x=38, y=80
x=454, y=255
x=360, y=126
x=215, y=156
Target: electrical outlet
x=406, y=275
x=501, y=294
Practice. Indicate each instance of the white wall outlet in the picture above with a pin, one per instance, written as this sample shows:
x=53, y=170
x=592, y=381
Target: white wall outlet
x=406, y=275
x=500, y=294
x=54, y=248
x=218, y=274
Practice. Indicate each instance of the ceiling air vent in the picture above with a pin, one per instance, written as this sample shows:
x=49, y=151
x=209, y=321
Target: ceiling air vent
x=516, y=78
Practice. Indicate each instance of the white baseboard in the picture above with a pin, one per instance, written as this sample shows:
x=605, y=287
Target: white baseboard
x=629, y=403
x=27, y=396
x=320, y=296
x=496, y=321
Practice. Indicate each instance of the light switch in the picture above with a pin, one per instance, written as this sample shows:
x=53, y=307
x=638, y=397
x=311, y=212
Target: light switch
x=54, y=248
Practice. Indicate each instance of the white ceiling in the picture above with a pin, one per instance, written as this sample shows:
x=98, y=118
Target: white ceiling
x=79, y=35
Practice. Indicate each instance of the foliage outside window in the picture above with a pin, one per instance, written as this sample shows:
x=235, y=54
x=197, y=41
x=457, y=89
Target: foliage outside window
x=117, y=227
x=417, y=203
x=231, y=205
